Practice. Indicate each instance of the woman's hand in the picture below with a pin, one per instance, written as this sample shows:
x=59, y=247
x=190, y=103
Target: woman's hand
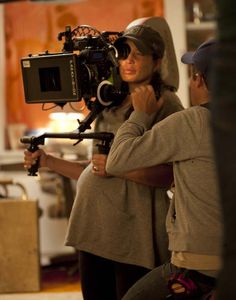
x=30, y=158
x=99, y=165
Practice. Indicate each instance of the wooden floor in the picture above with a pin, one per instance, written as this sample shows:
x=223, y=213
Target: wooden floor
x=57, y=283
x=60, y=278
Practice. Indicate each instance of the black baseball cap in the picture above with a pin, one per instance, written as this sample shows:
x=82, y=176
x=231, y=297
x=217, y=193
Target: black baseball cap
x=147, y=40
x=201, y=58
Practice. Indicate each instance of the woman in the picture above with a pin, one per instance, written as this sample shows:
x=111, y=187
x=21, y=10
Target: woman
x=118, y=224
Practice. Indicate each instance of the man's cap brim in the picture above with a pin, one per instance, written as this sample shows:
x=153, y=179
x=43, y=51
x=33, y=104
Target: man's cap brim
x=187, y=58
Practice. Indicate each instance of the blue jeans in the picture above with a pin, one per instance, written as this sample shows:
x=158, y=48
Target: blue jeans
x=154, y=285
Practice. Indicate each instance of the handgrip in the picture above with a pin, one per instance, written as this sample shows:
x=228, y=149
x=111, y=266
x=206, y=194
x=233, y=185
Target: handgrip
x=103, y=149
x=33, y=170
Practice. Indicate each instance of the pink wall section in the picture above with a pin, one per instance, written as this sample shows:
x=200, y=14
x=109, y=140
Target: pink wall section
x=33, y=28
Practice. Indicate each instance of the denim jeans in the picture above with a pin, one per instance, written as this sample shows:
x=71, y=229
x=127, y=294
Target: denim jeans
x=154, y=285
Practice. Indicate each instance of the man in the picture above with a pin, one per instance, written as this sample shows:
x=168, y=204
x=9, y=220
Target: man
x=194, y=218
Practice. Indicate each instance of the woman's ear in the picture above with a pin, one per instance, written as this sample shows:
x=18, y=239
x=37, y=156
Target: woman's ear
x=158, y=65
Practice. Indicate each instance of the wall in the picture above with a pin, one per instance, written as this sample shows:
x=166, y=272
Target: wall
x=174, y=12
x=2, y=80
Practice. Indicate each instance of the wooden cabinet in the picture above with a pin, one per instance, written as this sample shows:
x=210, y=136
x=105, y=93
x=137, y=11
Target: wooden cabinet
x=191, y=22
x=200, y=16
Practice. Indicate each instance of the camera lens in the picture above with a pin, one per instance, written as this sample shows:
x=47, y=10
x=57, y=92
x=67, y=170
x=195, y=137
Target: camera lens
x=123, y=50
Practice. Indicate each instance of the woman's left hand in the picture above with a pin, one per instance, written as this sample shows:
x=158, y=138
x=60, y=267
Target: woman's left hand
x=99, y=165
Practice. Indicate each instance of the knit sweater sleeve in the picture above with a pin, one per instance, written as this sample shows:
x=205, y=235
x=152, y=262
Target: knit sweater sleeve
x=175, y=138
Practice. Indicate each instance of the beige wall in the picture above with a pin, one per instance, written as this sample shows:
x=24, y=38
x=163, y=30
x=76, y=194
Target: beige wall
x=2, y=81
x=174, y=12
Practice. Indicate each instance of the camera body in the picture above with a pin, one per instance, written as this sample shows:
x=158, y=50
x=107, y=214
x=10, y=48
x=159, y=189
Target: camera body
x=70, y=76
x=51, y=78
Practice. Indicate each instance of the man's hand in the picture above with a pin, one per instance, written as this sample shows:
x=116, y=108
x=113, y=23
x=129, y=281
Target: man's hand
x=144, y=99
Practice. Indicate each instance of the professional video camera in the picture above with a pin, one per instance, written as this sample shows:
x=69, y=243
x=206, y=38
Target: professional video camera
x=87, y=68
x=91, y=74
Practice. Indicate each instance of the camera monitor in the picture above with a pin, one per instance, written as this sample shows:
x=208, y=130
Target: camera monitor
x=50, y=78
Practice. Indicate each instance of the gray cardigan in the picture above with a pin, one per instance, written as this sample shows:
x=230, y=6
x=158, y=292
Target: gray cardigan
x=194, y=219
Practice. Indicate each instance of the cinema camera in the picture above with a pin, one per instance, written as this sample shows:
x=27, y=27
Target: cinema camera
x=91, y=74
x=87, y=68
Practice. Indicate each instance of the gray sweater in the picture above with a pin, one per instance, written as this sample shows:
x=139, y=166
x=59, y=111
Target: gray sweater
x=116, y=218
x=194, y=219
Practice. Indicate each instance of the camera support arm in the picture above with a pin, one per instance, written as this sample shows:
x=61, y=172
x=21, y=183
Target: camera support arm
x=34, y=142
x=95, y=108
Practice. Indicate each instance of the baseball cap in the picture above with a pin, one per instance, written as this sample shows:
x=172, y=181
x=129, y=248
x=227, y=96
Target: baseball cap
x=147, y=40
x=201, y=58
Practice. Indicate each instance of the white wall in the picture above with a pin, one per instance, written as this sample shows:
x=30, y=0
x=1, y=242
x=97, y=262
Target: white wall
x=175, y=16
x=2, y=79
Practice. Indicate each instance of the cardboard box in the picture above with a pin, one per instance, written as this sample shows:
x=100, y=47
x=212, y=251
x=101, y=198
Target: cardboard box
x=19, y=246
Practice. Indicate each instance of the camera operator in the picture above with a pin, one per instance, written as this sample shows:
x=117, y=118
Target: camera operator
x=194, y=222
x=118, y=223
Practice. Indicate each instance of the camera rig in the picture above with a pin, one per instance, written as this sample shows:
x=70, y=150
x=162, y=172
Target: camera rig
x=86, y=69
x=91, y=75
x=34, y=142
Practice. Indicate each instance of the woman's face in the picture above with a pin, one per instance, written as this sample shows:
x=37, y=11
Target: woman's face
x=137, y=68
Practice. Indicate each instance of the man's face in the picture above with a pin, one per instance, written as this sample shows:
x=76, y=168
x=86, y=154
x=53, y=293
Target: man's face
x=137, y=68
x=194, y=85
x=198, y=90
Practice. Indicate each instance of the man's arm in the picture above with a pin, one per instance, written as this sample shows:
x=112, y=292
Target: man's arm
x=131, y=134
x=134, y=147
x=160, y=176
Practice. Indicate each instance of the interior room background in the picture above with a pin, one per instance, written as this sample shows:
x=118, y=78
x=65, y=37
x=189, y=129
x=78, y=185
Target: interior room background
x=31, y=27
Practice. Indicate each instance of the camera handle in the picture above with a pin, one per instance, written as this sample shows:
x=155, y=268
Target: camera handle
x=95, y=109
x=34, y=168
x=34, y=142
